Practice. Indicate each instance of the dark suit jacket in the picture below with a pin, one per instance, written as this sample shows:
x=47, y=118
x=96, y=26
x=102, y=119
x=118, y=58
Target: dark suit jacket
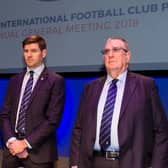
x=42, y=117
x=142, y=129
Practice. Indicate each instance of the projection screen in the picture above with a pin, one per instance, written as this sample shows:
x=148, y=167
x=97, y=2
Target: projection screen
x=76, y=30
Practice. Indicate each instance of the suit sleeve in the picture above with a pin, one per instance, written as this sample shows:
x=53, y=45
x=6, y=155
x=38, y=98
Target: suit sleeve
x=160, y=151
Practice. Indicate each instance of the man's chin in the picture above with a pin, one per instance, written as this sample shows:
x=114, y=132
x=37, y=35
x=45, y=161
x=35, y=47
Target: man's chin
x=30, y=66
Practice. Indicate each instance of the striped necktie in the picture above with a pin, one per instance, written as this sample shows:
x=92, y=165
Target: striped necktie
x=105, y=129
x=24, y=104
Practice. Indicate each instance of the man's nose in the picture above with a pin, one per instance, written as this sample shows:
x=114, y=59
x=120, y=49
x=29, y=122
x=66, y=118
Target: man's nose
x=110, y=53
x=29, y=54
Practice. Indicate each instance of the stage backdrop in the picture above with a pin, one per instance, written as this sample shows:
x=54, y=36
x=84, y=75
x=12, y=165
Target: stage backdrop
x=76, y=31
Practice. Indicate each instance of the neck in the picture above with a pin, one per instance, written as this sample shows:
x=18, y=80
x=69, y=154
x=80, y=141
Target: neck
x=114, y=73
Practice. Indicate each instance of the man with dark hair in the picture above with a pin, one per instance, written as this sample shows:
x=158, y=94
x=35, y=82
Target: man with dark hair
x=121, y=122
x=32, y=111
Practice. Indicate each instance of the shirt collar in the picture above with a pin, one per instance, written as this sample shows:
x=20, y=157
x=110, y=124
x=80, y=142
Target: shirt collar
x=121, y=77
x=37, y=71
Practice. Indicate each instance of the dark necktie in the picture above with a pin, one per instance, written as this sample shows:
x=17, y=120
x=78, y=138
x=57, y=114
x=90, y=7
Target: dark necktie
x=24, y=104
x=105, y=129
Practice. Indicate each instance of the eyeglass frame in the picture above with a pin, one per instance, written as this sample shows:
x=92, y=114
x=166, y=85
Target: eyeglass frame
x=115, y=50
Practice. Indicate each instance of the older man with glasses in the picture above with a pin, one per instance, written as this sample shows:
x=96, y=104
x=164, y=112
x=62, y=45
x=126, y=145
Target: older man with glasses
x=121, y=122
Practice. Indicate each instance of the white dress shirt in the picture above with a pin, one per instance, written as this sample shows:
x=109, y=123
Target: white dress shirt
x=116, y=113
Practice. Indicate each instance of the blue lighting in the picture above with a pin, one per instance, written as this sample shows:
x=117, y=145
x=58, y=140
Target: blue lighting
x=74, y=88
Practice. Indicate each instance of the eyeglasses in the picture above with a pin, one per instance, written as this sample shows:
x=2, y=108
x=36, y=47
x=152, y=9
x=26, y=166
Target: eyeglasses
x=114, y=50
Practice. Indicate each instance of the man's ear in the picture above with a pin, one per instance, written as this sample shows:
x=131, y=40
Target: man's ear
x=128, y=56
x=44, y=53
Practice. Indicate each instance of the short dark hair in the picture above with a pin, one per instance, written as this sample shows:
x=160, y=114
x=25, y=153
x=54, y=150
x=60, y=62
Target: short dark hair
x=35, y=39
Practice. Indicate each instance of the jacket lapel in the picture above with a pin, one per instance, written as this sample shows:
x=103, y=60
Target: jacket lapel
x=43, y=77
x=18, y=89
x=97, y=92
x=99, y=89
x=130, y=86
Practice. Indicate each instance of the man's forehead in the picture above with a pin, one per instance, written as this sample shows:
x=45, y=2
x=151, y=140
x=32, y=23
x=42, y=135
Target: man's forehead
x=31, y=45
x=114, y=42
